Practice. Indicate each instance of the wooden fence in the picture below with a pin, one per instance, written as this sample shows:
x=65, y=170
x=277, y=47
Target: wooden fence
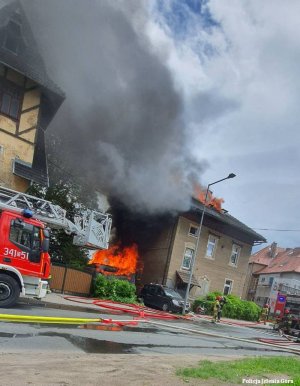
x=70, y=280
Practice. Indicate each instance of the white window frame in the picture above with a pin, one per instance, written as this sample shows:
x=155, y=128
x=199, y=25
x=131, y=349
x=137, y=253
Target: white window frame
x=197, y=230
x=238, y=254
x=191, y=259
x=209, y=242
x=226, y=285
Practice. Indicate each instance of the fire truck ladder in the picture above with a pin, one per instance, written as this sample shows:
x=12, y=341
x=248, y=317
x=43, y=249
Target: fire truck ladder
x=91, y=229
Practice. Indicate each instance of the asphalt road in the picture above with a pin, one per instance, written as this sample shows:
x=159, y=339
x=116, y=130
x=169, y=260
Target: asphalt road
x=149, y=338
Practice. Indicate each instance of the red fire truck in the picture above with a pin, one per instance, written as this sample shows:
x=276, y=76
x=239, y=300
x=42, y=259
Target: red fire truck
x=24, y=241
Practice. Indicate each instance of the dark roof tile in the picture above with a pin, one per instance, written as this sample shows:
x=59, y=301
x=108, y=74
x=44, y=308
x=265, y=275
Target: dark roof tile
x=226, y=218
x=26, y=59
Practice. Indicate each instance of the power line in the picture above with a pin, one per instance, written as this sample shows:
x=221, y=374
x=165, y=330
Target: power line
x=276, y=230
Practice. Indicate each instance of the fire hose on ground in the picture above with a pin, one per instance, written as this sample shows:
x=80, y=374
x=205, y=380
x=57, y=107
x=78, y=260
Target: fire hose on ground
x=133, y=309
x=122, y=323
x=46, y=319
x=143, y=311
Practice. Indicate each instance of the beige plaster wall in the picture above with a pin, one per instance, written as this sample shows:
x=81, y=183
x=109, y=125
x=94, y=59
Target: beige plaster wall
x=215, y=271
x=12, y=132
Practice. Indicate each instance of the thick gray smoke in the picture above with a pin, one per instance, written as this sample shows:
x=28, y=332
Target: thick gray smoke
x=121, y=124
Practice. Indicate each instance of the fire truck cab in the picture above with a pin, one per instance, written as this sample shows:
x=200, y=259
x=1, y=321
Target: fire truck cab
x=24, y=258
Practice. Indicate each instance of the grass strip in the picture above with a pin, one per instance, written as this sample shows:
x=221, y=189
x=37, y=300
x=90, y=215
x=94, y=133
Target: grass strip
x=258, y=368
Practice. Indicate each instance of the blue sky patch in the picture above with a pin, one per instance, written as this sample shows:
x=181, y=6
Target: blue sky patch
x=181, y=16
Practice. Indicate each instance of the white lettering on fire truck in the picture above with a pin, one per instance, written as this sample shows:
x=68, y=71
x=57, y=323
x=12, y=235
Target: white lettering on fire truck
x=15, y=253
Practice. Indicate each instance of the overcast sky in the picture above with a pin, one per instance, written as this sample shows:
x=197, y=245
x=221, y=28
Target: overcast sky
x=167, y=92
x=238, y=63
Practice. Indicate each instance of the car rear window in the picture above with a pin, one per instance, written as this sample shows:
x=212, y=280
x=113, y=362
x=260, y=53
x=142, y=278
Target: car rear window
x=172, y=293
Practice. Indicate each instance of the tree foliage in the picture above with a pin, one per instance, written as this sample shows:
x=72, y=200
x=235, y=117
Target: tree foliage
x=62, y=250
x=72, y=194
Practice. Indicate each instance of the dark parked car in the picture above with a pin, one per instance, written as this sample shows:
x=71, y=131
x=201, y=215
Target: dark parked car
x=164, y=298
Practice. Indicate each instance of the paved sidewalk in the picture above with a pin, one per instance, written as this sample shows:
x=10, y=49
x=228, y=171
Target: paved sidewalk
x=61, y=301
x=236, y=322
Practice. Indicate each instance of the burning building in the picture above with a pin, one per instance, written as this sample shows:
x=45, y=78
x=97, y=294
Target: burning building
x=165, y=246
x=117, y=261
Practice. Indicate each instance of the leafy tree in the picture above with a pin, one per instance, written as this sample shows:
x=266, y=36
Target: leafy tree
x=62, y=250
x=72, y=194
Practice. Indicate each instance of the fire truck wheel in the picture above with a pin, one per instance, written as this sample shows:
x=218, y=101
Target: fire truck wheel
x=9, y=291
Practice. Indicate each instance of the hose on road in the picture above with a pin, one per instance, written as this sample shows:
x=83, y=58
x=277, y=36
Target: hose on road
x=81, y=321
x=46, y=319
x=64, y=320
x=258, y=342
x=129, y=308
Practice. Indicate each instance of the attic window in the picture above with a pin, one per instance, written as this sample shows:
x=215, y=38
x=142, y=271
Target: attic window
x=13, y=36
x=10, y=100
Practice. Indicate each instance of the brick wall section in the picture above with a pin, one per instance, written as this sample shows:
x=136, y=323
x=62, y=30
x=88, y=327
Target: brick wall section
x=216, y=270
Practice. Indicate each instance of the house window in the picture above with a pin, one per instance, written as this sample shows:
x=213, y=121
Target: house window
x=10, y=100
x=211, y=246
x=227, y=287
x=193, y=231
x=13, y=36
x=187, y=258
x=235, y=254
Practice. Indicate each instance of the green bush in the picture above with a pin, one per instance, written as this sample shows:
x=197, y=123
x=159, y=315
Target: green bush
x=108, y=287
x=235, y=308
x=207, y=302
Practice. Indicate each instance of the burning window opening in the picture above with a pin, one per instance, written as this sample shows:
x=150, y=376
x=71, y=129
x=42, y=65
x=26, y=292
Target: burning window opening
x=116, y=260
x=213, y=202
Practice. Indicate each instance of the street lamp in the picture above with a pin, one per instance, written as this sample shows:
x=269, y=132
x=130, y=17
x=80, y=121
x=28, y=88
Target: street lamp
x=231, y=175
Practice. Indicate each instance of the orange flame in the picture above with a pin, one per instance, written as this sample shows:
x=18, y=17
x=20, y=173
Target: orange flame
x=122, y=261
x=211, y=201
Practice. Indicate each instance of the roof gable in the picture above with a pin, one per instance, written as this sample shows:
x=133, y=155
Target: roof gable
x=226, y=222
x=286, y=260
x=18, y=48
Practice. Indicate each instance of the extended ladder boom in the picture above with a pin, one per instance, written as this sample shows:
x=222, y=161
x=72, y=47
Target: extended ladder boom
x=91, y=229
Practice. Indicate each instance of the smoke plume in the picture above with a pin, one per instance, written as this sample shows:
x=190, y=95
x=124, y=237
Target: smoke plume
x=121, y=125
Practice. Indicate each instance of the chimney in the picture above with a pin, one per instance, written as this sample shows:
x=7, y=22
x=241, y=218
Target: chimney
x=273, y=249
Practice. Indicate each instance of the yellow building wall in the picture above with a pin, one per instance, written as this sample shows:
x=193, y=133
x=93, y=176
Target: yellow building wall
x=214, y=270
x=17, y=138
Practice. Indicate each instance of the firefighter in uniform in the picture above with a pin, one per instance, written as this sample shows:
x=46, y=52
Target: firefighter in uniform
x=222, y=301
x=216, y=307
x=264, y=314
